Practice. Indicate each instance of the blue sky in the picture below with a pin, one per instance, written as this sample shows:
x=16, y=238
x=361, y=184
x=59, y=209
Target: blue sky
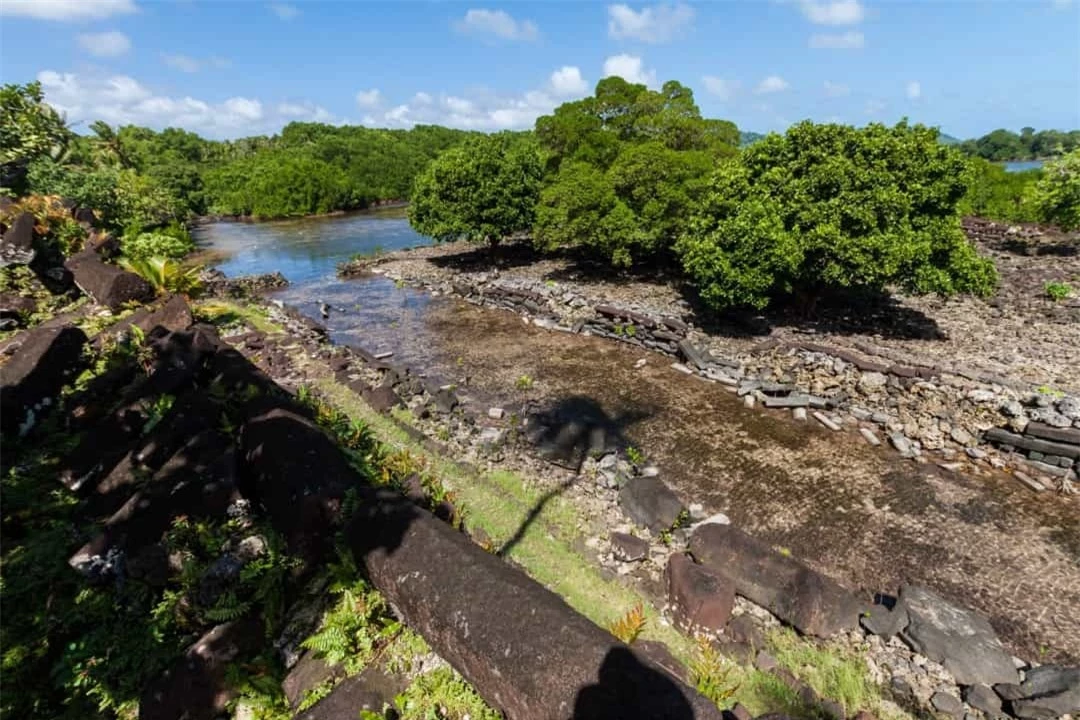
x=228, y=69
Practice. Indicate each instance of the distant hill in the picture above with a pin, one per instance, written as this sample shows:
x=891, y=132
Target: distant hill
x=946, y=139
x=749, y=138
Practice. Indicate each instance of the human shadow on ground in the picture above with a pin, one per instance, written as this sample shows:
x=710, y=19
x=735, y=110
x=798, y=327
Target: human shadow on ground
x=628, y=688
x=842, y=312
x=572, y=428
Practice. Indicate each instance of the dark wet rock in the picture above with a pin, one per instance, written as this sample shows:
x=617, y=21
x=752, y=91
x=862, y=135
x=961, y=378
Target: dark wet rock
x=32, y=379
x=216, y=283
x=699, y=597
x=1047, y=692
x=660, y=655
x=883, y=622
x=831, y=709
x=382, y=399
x=443, y=401
x=738, y=712
x=15, y=307
x=628, y=548
x=370, y=690
x=149, y=565
x=744, y=630
x=947, y=703
x=984, y=699
x=107, y=284
x=797, y=594
x=310, y=672
x=650, y=503
x=84, y=216
x=17, y=244
x=103, y=243
x=959, y=639
x=765, y=662
x=196, y=687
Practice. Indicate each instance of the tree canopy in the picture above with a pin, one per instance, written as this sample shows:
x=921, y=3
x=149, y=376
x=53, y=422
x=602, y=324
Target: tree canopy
x=484, y=189
x=29, y=129
x=1001, y=145
x=831, y=206
x=623, y=167
x=1055, y=197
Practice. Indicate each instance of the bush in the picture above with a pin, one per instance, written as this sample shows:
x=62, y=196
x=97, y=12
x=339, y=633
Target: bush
x=999, y=195
x=827, y=207
x=1056, y=196
x=164, y=275
x=159, y=244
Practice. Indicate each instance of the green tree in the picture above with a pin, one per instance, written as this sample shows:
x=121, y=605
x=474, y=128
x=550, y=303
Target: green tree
x=826, y=207
x=29, y=129
x=997, y=194
x=1056, y=195
x=482, y=190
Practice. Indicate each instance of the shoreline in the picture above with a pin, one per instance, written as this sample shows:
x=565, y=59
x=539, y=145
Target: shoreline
x=253, y=220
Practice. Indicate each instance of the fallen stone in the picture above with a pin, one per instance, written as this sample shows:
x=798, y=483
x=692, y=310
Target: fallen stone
x=15, y=307
x=370, y=691
x=628, y=548
x=1049, y=432
x=883, y=622
x=872, y=382
x=1031, y=482
x=765, y=662
x=793, y=400
x=795, y=593
x=869, y=436
x=693, y=355
x=799, y=414
x=699, y=597
x=382, y=399
x=1004, y=437
x=107, y=284
x=901, y=443
x=959, y=639
x=17, y=244
x=308, y=673
x=650, y=503
x=32, y=379
x=984, y=699
x=748, y=401
x=496, y=413
x=682, y=368
x=1048, y=692
x=826, y=421
x=948, y=704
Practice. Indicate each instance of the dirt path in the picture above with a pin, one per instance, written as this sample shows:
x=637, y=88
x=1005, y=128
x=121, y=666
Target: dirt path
x=863, y=516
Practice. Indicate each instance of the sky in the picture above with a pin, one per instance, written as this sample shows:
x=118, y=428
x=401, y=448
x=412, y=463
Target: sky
x=226, y=68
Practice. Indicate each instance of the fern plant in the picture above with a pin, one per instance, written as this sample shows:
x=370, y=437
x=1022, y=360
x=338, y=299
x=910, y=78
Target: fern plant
x=355, y=629
x=628, y=627
x=711, y=675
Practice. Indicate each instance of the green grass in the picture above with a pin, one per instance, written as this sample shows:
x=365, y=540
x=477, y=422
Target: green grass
x=225, y=313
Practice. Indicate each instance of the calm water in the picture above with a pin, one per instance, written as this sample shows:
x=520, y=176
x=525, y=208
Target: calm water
x=372, y=313
x=1022, y=165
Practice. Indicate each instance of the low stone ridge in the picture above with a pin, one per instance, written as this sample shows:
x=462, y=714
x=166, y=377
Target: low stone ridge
x=32, y=379
x=17, y=244
x=795, y=593
x=1048, y=692
x=650, y=503
x=370, y=690
x=107, y=284
x=217, y=284
x=628, y=548
x=699, y=597
x=959, y=639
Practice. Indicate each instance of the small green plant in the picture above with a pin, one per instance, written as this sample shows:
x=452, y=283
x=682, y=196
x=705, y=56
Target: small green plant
x=442, y=695
x=711, y=674
x=1052, y=392
x=164, y=274
x=630, y=330
x=1057, y=291
x=635, y=456
x=629, y=626
x=524, y=382
x=155, y=244
x=618, y=330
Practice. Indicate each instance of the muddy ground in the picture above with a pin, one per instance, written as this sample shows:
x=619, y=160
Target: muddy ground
x=864, y=516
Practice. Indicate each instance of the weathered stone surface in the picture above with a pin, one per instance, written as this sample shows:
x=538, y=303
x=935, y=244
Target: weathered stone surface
x=1004, y=437
x=959, y=639
x=984, y=699
x=794, y=400
x=660, y=655
x=382, y=399
x=699, y=597
x=628, y=548
x=794, y=592
x=700, y=358
x=1049, y=432
x=650, y=503
x=948, y=704
x=308, y=673
x=546, y=663
x=370, y=690
x=884, y=622
x=107, y=284
x=195, y=688
x=14, y=306
x=17, y=244
x=46, y=360
x=1047, y=692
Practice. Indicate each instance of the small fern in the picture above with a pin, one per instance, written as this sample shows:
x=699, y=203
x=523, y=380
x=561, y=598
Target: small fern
x=711, y=675
x=355, y=630
x=629, y=626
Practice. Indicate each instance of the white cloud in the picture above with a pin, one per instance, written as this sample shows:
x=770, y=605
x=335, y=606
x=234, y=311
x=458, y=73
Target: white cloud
x=183, y=63
x=836, y=89
x=914, y=90
x=721, y=88
x=122, y=100
x=369, y=98
x=67, y=9
x=655, y=24
x=422, y=98
x=306, y=112
x=771, y=84
x=874, y=107
x=567, y=80
x=630, y=68
x=852, y=40
x=285, y=11
x=498, y=23
x=833, y=12
x=104, y=44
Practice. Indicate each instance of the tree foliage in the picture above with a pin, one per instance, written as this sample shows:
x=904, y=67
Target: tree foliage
x=997, y=194
x=1056, y=195
x=29, y=129
x=623, y=167
x=830, y=206
x=484, y=189
x=1001, y=145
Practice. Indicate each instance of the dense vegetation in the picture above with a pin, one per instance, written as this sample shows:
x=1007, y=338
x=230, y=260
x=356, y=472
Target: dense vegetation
x=1001, y=145
x=1056, y=195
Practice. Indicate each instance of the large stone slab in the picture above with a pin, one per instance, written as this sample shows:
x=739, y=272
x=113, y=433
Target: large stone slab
x=650, y=503
x=1048, y=692
x=1046, y=447
x=797, y=594
x=47, y=359
x=959, y=639
x=700, y=598
x=17, y=243
x=107, y=284
x=1049, y=432
x=369, y=690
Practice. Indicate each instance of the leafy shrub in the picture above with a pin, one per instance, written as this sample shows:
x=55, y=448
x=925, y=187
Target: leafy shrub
x=999, y=195
x=164, y=275
x=628, y=627
x=1056, y=196
x=1057, y=291
x=827, y=207
x=155, y=244
x=56, y=234
x=711, y=674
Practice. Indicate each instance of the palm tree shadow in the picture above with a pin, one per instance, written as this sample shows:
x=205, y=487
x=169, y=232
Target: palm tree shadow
x=575, y=427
